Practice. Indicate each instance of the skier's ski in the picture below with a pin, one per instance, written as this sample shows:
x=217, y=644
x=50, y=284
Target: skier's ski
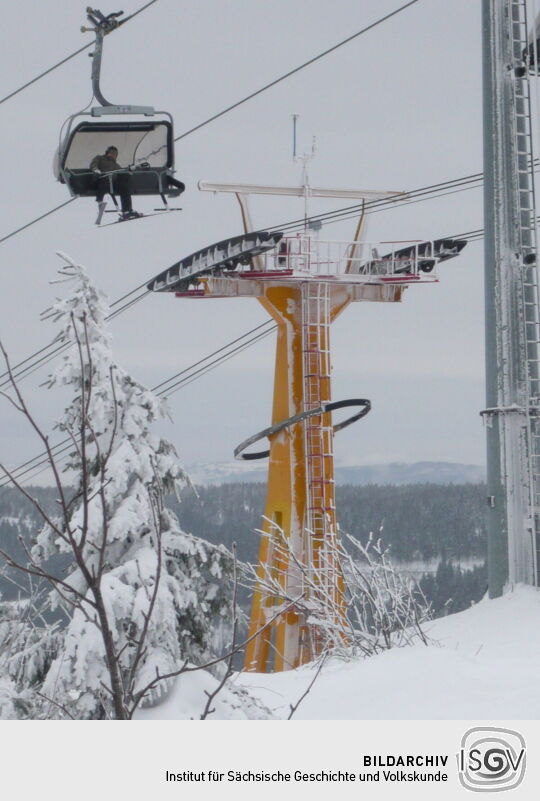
x=139, y=217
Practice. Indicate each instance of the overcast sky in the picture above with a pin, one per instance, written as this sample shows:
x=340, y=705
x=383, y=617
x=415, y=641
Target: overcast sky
x=398, y=108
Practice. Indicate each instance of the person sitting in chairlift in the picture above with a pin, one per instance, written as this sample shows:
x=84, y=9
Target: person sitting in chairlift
x=119, y=184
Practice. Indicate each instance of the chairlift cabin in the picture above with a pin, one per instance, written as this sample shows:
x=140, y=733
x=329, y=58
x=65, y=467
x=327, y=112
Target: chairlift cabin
x=145, y=144
x=143, y=137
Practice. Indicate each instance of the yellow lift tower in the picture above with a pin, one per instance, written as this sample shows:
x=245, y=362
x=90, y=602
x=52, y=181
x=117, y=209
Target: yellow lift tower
x=304, y=282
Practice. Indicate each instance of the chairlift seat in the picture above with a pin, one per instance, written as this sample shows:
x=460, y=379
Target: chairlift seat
x=83, y=183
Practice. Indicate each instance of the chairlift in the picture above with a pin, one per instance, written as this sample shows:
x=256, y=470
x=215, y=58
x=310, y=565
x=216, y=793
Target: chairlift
x=143, y=137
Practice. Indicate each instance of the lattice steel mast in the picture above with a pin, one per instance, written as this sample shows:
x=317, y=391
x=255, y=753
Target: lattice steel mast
x=512, y=307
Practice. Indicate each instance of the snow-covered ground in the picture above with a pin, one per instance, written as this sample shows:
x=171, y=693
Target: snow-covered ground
x=483, y=663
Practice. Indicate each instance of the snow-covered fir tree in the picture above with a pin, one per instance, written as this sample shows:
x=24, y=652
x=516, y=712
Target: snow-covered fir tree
x=143, y=596
x=28, y=645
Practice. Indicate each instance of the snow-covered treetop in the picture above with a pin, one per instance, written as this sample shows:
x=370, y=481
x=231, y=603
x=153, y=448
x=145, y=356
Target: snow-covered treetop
x=109, y=421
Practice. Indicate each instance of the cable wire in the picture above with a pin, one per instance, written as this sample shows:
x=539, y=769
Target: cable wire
x=414, y=196
x=72, y=55
x=424, y=192
x=45, y=72
x=166, y=388
x=37, y=219
x=322, y=217
x=162, y=386
x=193, y=374
x=188, y=375
x=220, y=113
x=295, y=70
x=46, y=357
x=162, y=390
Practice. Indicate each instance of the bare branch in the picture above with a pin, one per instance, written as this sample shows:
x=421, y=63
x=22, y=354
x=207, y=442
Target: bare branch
x=208, y=709
x=32, y=500
x=156, y=506
x=61, y=707
x=36, y=570
x=26, y=412
x=186, y=668
x=294, y=707
x=10, y=400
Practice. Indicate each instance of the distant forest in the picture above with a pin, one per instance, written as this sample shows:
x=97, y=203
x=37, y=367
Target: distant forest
x=419, y=522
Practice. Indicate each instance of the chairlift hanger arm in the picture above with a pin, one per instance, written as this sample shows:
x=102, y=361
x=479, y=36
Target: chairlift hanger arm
x=100, y=21
x=102, y=25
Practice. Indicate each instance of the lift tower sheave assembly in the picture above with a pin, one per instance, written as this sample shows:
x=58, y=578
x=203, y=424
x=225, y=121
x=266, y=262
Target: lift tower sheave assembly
x=304, y=282
x=512, y=305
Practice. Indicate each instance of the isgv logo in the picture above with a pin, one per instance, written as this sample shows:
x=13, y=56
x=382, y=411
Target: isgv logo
x=491, y=759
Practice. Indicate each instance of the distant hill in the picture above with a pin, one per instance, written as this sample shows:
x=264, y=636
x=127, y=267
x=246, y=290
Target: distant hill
x=417, y=473
x=397, y=473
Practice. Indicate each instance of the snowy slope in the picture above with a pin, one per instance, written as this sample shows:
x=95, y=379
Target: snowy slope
x=188, y=699
x=483, y=663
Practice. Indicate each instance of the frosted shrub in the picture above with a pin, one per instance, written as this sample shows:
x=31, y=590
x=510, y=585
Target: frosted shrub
x=378, y=608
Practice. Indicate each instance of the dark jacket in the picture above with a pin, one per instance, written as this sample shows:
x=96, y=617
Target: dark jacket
x=104, y=164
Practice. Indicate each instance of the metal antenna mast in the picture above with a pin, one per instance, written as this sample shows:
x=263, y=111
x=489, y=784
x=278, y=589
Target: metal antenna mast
x=304, y=159
x=512, y=303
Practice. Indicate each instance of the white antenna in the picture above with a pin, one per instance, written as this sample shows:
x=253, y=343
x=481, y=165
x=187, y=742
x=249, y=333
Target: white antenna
x=304, y=159
x=305, y=190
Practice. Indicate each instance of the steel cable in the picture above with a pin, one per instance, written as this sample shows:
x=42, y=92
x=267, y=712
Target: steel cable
x=68, y=58
x=214, y=116
x=294, y=71
x=421, y=194
x=163, y=389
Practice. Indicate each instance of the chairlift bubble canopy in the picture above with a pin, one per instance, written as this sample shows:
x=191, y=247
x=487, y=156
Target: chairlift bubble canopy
x=145, y=144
